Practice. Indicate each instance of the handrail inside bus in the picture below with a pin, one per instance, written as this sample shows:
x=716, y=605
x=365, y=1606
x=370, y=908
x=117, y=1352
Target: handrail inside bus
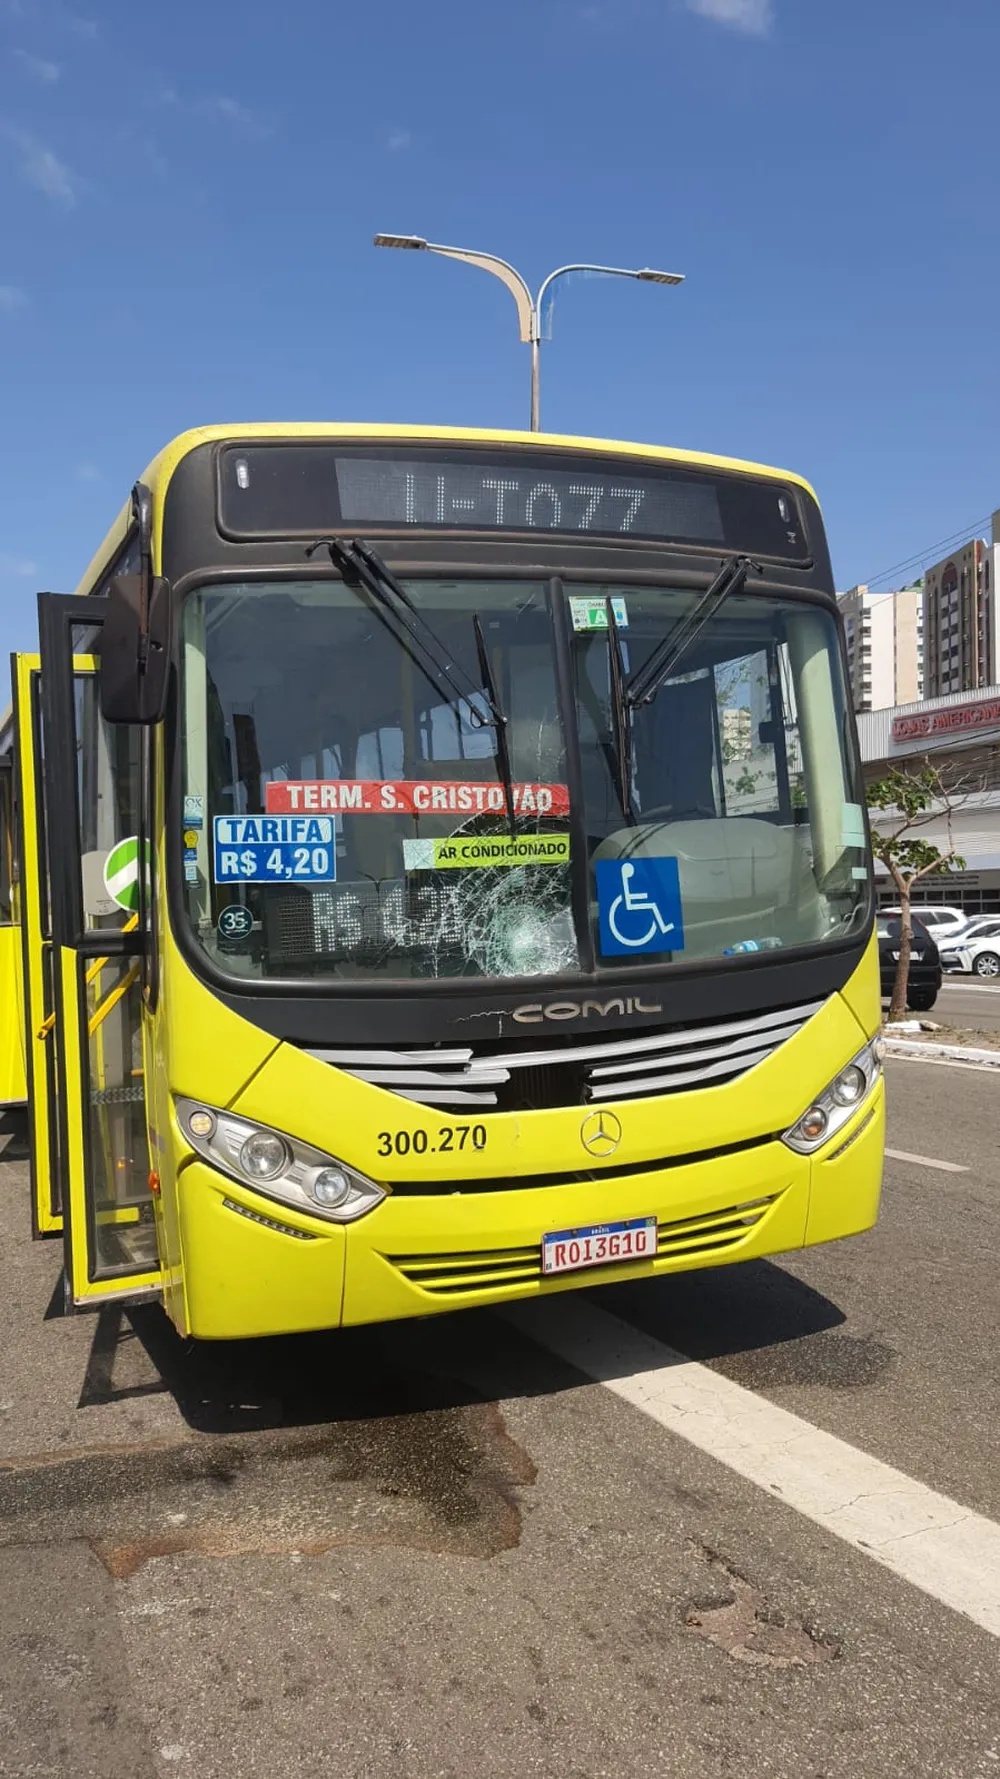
x=92, y=974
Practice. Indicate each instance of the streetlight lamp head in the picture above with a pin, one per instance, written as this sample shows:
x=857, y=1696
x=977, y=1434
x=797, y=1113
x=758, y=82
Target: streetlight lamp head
x=648, y=276
x=414, y=242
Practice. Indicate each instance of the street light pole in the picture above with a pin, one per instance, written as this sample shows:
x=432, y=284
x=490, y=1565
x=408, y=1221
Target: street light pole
x=529, y=309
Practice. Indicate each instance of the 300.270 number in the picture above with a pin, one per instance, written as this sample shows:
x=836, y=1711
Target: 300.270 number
x=449, y=1137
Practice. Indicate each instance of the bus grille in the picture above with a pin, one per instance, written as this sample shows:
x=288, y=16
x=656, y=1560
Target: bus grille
x=453, y=1275
x=482, y=1078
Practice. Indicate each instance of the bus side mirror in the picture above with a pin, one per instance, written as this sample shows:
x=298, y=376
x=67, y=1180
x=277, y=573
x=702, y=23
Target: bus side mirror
x=135, y=651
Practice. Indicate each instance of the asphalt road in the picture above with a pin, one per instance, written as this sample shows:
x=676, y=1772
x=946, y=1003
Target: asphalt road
x=964, y=1001
x=442, y=1549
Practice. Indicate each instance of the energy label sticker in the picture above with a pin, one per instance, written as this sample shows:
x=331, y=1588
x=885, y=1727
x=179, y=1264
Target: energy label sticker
x=469, y=852
x=592, y=614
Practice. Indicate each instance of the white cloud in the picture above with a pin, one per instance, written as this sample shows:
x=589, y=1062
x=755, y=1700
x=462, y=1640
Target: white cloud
x=82, y=27
x=220, y=108
x=19, y=566
x=398, y=140
x=39, y=69
x=11, y=297
x=88, y=472
x=43, y=169
x=238, y=117
x=754, y=17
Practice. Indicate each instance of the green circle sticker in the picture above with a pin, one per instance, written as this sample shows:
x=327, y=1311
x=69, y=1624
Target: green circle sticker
x=121, y=873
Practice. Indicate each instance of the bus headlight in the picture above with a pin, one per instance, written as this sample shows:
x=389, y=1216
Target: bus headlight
x=832, y=1108
x=278, y=1166
x=264, y=1156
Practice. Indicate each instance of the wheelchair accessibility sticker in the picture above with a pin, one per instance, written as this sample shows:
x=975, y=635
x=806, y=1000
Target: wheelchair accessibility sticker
x=639, y=906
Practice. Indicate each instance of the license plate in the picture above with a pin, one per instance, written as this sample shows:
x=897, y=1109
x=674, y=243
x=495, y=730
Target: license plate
x=567, y=1250
x=915, y=955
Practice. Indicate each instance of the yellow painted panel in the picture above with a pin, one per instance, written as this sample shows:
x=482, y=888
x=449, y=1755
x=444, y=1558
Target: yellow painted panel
x=863, y=992
x=324, y=1106
x=38, y=1036
x=242, y=1278
x=845, y=1192
x=376, y=1290
x=13, y=1088
x=210, y=1052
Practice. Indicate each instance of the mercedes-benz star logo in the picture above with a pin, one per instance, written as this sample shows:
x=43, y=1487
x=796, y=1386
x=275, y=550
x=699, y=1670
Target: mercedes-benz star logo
x=600, y=1133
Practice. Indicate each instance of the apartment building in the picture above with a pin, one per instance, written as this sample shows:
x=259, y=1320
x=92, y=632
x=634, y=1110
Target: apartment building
x=960, y=618
x=885, y=645
x=737, y=733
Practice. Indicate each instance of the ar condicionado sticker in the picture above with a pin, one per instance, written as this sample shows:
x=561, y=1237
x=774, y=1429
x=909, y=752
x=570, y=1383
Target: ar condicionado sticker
x=467, y=852
x=409, y=796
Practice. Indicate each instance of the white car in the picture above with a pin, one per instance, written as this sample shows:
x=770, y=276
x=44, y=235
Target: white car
x=946, y=925
x=976, y=954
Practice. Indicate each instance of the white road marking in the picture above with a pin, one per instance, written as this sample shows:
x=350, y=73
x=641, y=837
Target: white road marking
x=946, y=1167
x=940, y=1546
x=941, y=1062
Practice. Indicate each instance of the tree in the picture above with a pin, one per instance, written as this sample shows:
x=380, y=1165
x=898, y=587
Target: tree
x=910, y=800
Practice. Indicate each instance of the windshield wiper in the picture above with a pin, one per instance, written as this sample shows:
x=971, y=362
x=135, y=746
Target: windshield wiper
x=621, y=716
x=499, y=721
x=360, y=566
x=647, y=680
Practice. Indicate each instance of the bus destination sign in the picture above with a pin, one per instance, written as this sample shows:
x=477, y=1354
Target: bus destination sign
x=304, y=489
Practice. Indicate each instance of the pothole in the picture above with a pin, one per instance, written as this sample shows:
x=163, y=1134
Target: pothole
x=734, y=1615
x=444, y=1479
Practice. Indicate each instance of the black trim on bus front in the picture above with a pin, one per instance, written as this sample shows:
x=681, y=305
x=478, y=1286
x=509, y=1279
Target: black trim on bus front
x=586, y=1176
x=566, y=695
x=551, y=457
x=693, y=994
x=403, y=1010
x=191, y=536
x=461, y=1014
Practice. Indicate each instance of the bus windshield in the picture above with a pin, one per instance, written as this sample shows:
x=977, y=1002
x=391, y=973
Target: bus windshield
x=343, y=819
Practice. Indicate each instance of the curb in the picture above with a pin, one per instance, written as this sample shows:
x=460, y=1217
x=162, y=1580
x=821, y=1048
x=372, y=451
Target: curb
x=989, y=1059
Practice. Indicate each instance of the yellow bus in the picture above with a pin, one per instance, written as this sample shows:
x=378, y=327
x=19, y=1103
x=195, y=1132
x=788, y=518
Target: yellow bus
x=444, y=879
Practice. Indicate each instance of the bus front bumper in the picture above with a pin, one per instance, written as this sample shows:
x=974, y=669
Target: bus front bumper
x=252, y=1267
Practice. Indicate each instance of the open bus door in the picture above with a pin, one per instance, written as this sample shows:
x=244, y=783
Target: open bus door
x=94, y=826
x=12, y=1084
x=34, y=913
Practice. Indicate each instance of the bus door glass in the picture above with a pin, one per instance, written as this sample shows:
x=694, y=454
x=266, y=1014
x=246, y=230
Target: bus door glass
x=12, y=1087
x=96, y=840
x=34, y=916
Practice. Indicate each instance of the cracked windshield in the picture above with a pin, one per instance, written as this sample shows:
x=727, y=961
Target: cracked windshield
x=348, y=813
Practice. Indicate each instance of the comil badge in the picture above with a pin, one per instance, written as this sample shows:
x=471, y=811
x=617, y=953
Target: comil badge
x=600, y=1134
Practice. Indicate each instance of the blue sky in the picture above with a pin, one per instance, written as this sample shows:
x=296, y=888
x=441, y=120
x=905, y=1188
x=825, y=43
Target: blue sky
x=188, y=195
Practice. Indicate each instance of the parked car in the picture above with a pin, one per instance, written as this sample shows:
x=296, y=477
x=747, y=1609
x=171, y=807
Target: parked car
x=925, y=962
x=978, y=955
x=953, y=951
x=941, y=922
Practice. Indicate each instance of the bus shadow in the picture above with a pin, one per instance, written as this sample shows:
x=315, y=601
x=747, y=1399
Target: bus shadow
x=14, y=1145
x=759, y=1323
x=756, y=1317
